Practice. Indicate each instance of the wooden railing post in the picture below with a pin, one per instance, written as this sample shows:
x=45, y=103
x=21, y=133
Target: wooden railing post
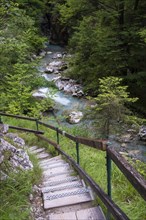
x=108, y=166
x=37, y=125
x=1, y=120
x=57, y=134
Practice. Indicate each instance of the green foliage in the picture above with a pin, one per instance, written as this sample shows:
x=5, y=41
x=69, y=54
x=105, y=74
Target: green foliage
x=15, y=191
x=107, y=39
x=110, y=102
x=20, y=39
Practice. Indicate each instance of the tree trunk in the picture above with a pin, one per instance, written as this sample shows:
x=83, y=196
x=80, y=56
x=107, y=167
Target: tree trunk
x=136, y=4
x=121, y=13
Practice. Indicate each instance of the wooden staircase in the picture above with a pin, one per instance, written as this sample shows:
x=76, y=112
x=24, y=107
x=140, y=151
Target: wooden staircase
x=62, y=188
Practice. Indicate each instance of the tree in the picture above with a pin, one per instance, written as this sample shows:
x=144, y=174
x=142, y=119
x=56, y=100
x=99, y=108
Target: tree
x=19, y=40
x=110, y=102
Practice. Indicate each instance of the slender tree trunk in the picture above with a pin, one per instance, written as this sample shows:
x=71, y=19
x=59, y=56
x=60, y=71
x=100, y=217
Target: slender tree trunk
x=121, y=13
x=136, y=4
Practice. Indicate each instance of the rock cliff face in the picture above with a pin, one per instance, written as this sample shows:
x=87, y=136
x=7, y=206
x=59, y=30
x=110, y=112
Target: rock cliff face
x=12, y=158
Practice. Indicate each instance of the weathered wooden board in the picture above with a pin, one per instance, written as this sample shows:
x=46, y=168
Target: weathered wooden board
x=50, y=160
x=53, y=181
x=71, y=200
x=65, y=191
x=67, y=185
x=32, y=148
x=42, y=155
x=94, y=213
x=58, y=163
x=63, y=216
x=38, y=150
x=55, y=171
x=53, y=166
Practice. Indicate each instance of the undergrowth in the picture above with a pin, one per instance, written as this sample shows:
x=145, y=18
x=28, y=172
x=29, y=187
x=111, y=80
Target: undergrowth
x=14, y=193
x=94, y=163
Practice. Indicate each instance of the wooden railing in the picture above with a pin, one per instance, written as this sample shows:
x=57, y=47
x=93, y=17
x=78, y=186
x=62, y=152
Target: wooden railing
x=111, y=155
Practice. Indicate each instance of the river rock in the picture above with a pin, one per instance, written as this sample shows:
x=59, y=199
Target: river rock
x=56, y=66
x=68, y=86
x=49, y=70
x=126, y=138
x=75, y=117
x=57, y=55
x=142, y=133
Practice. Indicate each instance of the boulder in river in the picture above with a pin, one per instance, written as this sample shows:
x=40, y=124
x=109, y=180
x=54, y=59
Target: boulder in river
x=56, y=66
x=142, y=133
x=75, y=117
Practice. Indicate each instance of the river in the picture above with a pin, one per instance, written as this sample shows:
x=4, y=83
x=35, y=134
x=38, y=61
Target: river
x=66, y=102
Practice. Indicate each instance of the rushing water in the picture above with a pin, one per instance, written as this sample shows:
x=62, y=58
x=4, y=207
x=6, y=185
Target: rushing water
x=63, y=101
x=66, y=102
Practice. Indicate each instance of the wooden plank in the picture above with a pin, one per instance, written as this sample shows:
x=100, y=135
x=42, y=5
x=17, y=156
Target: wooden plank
x=48, y=164
x=38, y=150
x=99, y=144
x=64, y=133
x=32, y=148
x=54, y=179
x=48, y=177
x=71, y=200
x=94, y=213
x=58, y=165
x=58, y=187
x=66, y=192
x=50, y=160
x=42, y=155
x=53, y=163
x=54, y=171
x=63, y=216
x=132, y=175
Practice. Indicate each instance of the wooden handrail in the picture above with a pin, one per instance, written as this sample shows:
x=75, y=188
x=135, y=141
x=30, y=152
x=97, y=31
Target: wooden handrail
x=98, y=144
x=48, y=126
x=131, y=174
x=26, y=129
x=18, y=116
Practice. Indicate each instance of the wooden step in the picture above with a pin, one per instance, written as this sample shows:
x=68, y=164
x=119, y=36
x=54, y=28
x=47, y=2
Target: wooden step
x=58, y=175
x=54, y=181
x=62, y=186
x=54, y=165
x=38, y=150
x=42, y=155
x=66, y=197
x=53, y=159
x=55, y=171
x=94, y=213
x=32, y=148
